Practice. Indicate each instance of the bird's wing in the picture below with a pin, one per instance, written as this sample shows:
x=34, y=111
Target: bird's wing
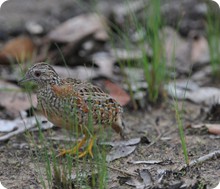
x=87, y=95
x=66, y=91
x=85, y=89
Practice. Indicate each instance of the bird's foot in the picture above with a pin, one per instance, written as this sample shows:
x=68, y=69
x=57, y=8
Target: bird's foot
x=75, y=150
x=89, y=149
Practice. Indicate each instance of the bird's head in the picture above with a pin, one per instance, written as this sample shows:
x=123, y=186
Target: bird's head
x=41, y=73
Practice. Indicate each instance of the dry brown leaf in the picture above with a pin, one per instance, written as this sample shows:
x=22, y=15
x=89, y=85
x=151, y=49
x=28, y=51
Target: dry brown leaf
x=19, y=49
x=117, y=93
x=14, y=100
x=119, y=152
x=78, y=28
x=200, y=51
x=212, y=128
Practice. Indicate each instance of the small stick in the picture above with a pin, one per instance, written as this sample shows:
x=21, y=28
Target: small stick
x=203, y=159
x=121, y=171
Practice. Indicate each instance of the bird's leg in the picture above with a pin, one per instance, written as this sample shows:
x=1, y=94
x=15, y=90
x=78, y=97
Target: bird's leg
x=75, y=149
x=89, y=148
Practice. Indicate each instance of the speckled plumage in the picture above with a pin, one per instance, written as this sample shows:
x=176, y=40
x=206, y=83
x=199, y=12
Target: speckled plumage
x=74, y=104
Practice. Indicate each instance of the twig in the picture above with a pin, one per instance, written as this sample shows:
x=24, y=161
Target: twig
x=202, y=159
x=121, y=171
x=158, y=137
x=152, y=143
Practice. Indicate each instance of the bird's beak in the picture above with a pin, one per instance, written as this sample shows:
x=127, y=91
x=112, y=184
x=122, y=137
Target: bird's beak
x=22, y=81
x=25, y=79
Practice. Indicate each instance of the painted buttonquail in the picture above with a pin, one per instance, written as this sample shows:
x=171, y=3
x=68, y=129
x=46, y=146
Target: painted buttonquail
x=75, y=105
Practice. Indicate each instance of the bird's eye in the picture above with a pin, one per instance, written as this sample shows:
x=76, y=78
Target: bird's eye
x=37, y=73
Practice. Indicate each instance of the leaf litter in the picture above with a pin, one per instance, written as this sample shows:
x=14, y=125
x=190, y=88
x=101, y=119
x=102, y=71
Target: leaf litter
x=191, y=91
x=20, y=126
x=14, y=100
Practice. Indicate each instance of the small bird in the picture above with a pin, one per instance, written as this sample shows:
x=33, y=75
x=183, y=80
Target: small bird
x=75, y=105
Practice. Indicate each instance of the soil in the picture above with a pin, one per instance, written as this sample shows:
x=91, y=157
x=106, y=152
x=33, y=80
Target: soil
x=19, y=167
x=19, y=157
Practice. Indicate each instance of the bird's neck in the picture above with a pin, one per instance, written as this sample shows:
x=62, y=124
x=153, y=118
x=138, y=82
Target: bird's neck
x=52, y=81
x=55, y=81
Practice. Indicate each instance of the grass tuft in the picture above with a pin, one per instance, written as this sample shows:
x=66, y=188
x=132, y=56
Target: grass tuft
x=213, y=35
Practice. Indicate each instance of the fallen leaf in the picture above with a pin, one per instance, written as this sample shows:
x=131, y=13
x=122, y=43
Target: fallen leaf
x=143, y=181
x=14, y=100
x=202, y=76
x=133, y=141
x=212, y=128
x=205, y=95
x=177, y=50
x=135, y=183
x=19, y=49
x=146, y=177
x=23, y=125
x=180, y=88
x=191, y=91
x=117, y=93
x=7, y=125
x=119, y=152
x=78, y=28
x=200, y=51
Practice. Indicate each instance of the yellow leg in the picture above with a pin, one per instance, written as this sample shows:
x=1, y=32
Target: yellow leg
x=89, y=148
x=75, y=149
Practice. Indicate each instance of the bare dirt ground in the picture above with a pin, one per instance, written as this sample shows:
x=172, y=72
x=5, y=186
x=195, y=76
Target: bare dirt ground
x=19, y=166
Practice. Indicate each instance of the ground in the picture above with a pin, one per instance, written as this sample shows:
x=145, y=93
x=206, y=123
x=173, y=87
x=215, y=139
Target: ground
x=19, y=163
